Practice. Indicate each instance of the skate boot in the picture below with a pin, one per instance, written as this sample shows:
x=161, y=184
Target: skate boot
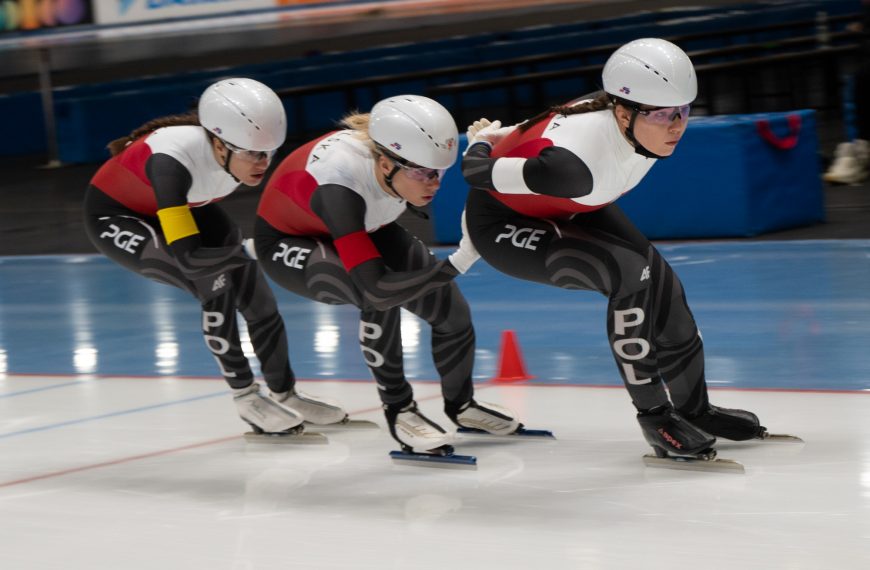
x=486, y=417
x=265, y=415
x=670, y=434
x=416, y=432
x=736, y=425
x=319, y=411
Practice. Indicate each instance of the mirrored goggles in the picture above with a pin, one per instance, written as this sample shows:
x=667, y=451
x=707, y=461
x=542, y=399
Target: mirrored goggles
x=250, y=155
x=421, y=174
x=665, y=115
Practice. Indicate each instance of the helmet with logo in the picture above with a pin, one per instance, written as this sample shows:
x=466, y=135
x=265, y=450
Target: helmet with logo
x=416, y=129
x=244, y=113
x=651, y=71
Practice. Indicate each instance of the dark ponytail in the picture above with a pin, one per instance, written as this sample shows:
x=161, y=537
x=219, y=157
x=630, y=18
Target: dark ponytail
x=600, y=102
x=189, y=118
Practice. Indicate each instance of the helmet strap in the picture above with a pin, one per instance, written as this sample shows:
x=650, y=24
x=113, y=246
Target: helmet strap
x=638, y=148
x=226, y=163
x=388, y=180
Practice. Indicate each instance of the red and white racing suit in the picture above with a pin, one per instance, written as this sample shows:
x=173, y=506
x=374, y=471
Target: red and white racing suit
x=326, y=230
x=541, y=208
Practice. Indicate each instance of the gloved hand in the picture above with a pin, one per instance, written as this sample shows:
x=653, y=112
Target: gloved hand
x=483, y=130
x=466, y=254
x=248, y=248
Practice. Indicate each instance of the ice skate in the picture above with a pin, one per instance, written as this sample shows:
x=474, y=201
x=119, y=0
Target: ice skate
x=423, y=441
x=414, y=431
x=680, y=445
x=271, y=422
x=315, y=410
x=736, y=425
x=482, y=418
x=489, y=418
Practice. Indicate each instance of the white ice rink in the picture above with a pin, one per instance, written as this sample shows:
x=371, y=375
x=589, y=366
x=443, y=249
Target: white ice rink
x=146, y=474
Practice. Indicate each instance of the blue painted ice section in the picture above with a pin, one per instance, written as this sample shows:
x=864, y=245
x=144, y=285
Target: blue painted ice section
x=792, y=315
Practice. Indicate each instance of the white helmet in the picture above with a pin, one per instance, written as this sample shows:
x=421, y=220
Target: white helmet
x=651, y=71
x=244, y=113
x=416, y=129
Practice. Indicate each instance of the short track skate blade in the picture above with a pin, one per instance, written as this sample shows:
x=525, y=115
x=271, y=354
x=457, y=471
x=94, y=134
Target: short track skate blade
x=304, y=438
x=452, y=461
x=347, y=424
x=781, y=438
x=689, y=464
x=522, y=432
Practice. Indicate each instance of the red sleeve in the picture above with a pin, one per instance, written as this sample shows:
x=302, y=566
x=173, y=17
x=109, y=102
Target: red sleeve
x=355, y=248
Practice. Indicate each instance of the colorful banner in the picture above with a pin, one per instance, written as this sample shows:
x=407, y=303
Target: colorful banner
x=24, y=15
x=126, y=11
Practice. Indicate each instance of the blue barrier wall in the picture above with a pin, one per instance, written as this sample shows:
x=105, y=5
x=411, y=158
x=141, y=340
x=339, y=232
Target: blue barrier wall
x=724, y=180
x=450, y=201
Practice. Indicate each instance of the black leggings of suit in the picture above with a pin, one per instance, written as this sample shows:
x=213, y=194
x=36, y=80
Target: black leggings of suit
x=137, y=243
x=312, y=268
x=651, y=330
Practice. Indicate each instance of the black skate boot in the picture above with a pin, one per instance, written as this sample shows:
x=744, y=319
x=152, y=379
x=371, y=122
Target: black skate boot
x=736, y=425
x=670, y=434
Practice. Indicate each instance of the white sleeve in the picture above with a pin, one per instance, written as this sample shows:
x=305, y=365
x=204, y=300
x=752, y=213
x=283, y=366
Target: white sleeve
x=507, y=176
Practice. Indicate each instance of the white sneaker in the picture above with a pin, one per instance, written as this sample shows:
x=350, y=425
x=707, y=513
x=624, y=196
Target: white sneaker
x=851, y=163
x=412, y=429
x=843, y=149
x=488, y=417
x=320, y=411
x=264, y=414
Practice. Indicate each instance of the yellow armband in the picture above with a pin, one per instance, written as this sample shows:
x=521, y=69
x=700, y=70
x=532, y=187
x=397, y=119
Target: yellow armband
x=177, y=223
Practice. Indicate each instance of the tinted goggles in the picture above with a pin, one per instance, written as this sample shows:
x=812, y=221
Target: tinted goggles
x=249, y=155
x=665, y=115
x=421, y=174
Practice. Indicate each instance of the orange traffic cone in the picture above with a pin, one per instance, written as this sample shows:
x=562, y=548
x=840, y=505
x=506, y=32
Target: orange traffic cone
x=510, y=365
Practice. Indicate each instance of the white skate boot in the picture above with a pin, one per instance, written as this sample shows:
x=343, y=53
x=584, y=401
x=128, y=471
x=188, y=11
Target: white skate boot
x=319, y=411
x=414, y=431
x=487, y=417
x=270, y=420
